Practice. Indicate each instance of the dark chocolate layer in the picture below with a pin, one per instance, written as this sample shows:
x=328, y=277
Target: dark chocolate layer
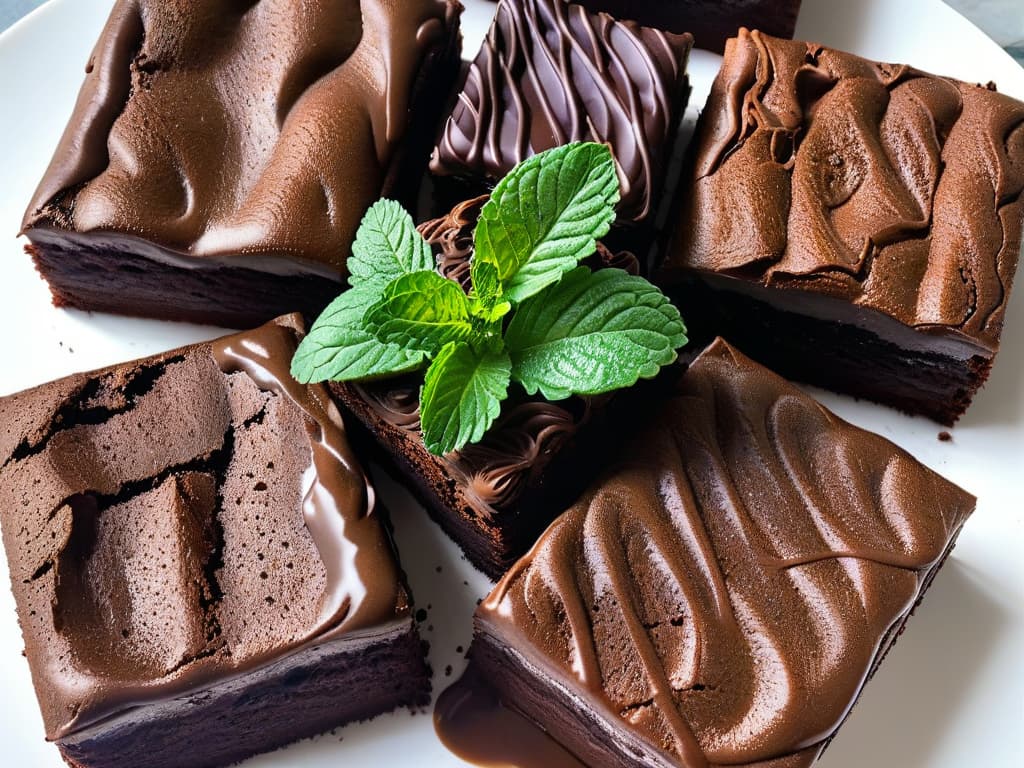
x=183, y=520
x=896, y=191
x=720, y=597
x=252, y=134
x=711, y=22
x=550, y=73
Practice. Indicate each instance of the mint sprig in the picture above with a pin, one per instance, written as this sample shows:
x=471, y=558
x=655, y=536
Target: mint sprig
x=532, y=315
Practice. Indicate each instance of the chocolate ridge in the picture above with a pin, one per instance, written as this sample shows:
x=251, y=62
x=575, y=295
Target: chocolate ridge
x=724, y=592
x=874, y=194
x=551, y=73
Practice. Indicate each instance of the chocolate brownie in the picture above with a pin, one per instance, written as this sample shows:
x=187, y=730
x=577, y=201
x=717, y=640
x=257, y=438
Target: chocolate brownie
x=720, y=596
x=222, y=154
x=550, y=73
x=200, y=568
x=712, y=22
x=852, y=224
x=494, y=497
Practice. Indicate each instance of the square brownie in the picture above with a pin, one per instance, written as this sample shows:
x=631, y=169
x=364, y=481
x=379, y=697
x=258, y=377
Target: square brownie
x=712, y=22
x=721, y=595
x=221, y=154
x=550, y=73
x=199, y=565
x=852, y=224
x=494, y=497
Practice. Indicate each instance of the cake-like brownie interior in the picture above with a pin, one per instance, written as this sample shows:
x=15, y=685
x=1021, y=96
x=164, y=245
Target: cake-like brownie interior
x=198, y=562
x=711, y=22
x=853, y=224
x=550, y=73
x=221, y=156
x=495, y=497
x=722, y=594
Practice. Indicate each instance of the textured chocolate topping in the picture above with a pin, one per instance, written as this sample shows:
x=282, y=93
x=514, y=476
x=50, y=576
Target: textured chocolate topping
x=550, y=73
x=241, y=131
x=877, y=184
x=721, y=596
x=175, y=522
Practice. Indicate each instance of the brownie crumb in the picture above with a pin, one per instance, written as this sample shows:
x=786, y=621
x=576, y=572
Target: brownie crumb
x=421, y=615
x=448, y=671
x=945, y=437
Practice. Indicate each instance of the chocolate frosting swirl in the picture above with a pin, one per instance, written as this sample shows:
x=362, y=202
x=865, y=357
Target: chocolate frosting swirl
x=893, y=189
x=228, y=129
x=550, y=73
x=724, y=592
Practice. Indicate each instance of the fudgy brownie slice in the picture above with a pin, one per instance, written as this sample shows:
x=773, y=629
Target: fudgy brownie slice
x=494, y=497
x=222, y=154
x=200, y=569
x=550, y=73
x=722, y=594
x=852, y=224
x=712, y=22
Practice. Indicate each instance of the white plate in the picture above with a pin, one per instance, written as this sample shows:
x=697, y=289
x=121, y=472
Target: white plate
x=951, y=694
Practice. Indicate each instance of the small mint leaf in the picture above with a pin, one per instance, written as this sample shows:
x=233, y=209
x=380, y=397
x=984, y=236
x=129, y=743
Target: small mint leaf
x=546, y=216
x=593, y=332
x=461, y=397
x=339, y=348
x=485, y=298
x=421, y=310
x=387, y=246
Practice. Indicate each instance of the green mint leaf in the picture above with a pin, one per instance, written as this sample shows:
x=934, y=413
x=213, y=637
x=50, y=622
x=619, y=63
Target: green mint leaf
x=485, y=300
x=339, y=348
x=421, y=310
x=547, y=215
x=387, y=246
x=593, y=332
x=461, y=397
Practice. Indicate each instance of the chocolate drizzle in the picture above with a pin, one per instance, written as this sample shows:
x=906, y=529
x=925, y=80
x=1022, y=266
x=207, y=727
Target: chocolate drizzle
x=551, y=73
x=242, y=133
x=724, y=592
x=895, y=190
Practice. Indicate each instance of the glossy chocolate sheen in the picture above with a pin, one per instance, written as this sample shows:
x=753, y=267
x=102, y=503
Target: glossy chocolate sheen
x=179, y=521
x=550, y=73
x=720, y=597
x=242, y=132
x=892, y=190
x=711, y=22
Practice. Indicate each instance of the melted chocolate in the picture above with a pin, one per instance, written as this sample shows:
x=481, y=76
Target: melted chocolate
x=178, y=522
x=550, y=73
x=721, y=596
x=476, y=725
x=877, y=185
x=266, y=145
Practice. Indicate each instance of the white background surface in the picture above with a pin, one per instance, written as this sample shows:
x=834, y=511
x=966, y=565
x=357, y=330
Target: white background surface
x=950, y=695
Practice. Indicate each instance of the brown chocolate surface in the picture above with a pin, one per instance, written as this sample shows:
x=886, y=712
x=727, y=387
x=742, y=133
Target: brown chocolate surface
x=255, y=134
x=711, y=22
x=182, y=520
x=720, y=597
x=874, y=184
x=550, y=73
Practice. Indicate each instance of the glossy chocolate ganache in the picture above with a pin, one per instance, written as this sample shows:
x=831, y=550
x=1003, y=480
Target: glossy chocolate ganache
x=550, y=73
x=722, y=594
x=878, y=185
x=176, y=523
x=246, y=133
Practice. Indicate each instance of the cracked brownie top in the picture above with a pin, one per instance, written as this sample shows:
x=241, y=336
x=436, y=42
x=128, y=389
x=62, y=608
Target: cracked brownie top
x=173, y=521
